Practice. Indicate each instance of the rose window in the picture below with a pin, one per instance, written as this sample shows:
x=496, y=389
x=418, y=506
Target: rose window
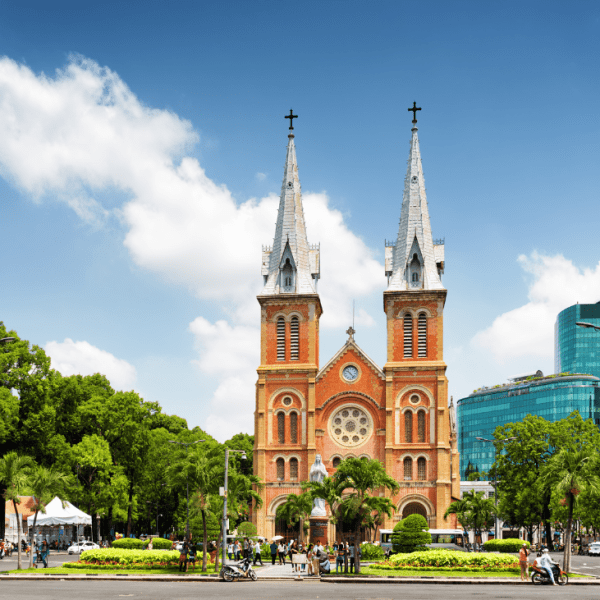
x=351, y=426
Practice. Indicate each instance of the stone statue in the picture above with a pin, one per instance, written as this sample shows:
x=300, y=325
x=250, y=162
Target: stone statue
x=318, y=472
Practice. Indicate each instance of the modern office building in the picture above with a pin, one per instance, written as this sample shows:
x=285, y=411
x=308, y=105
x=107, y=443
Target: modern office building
x=553, y=397
x=577, y=349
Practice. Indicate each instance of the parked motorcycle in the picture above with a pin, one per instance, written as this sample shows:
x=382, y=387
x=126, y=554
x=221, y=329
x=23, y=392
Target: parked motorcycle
x=541, y=577
x=242, y=569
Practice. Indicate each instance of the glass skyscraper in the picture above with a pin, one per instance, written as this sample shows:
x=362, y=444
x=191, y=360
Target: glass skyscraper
x=577, y=349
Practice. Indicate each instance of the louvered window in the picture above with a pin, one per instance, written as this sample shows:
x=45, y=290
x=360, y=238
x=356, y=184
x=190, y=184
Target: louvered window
x=421, y=469
x=281, y=428
x=422, y=331
x=294, y=428
x=407, y=469
x=280, y=469
x=295, y=338
x=293, y=468
x=336, y=462
x=421, y=426
x=408, y=427
x=281, y=338
x=408, y=328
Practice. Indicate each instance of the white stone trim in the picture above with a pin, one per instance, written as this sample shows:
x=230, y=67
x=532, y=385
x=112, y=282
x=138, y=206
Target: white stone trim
x=408, y=388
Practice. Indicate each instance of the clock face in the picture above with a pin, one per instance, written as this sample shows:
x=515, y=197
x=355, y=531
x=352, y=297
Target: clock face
x=350, y=373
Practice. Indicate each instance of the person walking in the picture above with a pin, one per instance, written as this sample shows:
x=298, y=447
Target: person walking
x=192, y=557
x=294, y=552
x=523, y=563
x=281, y=550
x=339, y=558
x=237, y=550
x=230, y=550
x=309, y=556
x=352, y=551
x=273, y=548
x=257, y=553
x=183, y=554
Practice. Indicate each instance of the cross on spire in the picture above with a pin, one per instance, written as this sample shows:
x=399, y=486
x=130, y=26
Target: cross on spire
x=414, y=110
x=350, y=331
x=292, y=116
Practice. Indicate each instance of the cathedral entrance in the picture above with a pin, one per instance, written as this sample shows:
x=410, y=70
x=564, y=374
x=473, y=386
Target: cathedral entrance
x=415, y=508
x=288, y=533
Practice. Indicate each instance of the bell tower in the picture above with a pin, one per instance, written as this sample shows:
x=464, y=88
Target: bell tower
x=420, y=449
x=290, y=308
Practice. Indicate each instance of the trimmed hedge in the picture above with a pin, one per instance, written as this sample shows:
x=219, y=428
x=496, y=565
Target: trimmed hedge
x=411, y=534
x=371, y=552
x=128, y=544
x=510, y=545
x=123, y=558
x=451, y=559
x=158, y=543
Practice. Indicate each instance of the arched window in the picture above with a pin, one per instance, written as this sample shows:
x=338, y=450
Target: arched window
x=422, y=332
x=293, y=468
x=295, y=339
x=280, y=469
x=281, y=428
x=408, y=427
x=407, y=469
x=336, y=462
x=415, y=268
x=421, y=469
x=294, y=428
x=281, y=338
x=287, y=276
x=408, y=328
x=421, y=426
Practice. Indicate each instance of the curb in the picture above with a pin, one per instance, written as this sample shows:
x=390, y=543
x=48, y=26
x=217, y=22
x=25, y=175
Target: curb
x=446, y=580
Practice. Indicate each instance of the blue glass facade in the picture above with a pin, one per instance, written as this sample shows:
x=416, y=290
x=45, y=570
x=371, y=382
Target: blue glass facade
x=577, y=349
x=552, y=398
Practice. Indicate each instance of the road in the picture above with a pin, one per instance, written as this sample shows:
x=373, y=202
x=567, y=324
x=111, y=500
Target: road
x=305, y=590
x=8, y=563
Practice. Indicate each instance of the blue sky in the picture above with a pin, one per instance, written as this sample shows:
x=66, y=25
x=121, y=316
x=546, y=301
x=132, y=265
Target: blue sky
x=141, y=155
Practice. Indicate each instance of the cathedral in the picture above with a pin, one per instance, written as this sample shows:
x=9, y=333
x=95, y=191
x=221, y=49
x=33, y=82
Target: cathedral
x=397, y=414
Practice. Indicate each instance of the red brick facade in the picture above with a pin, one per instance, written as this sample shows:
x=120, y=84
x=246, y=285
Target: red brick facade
x=356, y=412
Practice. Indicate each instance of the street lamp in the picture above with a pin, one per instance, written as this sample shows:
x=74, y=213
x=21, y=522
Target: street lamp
x=496, y=532
x=589, y=325
x=224, y=534
x=187, y=483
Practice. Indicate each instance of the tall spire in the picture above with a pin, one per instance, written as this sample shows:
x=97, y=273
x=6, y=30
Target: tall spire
x=414, y=262
x=291, y=265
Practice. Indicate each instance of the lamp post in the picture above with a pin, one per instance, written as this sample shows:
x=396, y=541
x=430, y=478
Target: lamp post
x=187, y=483
x=582, y=324
x=224, y=534
x=495, y=442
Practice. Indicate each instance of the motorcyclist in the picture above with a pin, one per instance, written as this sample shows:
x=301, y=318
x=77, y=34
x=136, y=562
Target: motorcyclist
x=546, y=563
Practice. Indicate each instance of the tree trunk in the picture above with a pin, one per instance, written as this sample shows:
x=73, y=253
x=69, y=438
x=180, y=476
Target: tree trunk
x=219, y=538
x=204, y=540
x=94, y=524
x=567, y=554
x=32, y=532
x=301, y=534
x=357, y=550
x=548, y=528
x=19, y=565
x=110, y=522
x=129, y=508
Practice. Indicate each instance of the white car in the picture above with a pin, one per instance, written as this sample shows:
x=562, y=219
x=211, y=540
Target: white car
x=80, y=547
x=594, y=549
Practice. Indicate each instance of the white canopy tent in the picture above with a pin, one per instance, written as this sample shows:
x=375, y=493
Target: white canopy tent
x=56, y=514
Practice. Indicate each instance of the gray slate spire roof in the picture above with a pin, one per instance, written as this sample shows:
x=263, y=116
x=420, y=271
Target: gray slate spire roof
x=414, y=262
x=290, y=266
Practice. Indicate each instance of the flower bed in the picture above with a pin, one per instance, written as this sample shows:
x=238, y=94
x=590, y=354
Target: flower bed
x=114, y=558
x=450, y=560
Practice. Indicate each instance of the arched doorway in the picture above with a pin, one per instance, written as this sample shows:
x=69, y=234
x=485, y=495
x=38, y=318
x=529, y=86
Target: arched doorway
x=283, y=528
x=414, y=508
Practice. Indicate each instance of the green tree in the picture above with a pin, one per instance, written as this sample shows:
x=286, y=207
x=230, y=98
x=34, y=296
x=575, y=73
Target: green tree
x=460, y=508
x=44, y=484
x=14, y=474
x=569, y=472
x=411, y=534
x=296, y=508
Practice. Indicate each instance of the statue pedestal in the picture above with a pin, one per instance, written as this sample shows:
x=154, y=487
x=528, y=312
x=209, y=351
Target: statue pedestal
x=318, y=530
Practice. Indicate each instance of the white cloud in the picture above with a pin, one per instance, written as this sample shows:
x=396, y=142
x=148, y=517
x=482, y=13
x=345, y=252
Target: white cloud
x=528, y=331
x=261, y=176
x=82, y=134
x=81, y=358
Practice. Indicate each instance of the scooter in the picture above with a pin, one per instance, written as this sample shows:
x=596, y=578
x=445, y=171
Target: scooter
x=242, y=570
x=541, y=577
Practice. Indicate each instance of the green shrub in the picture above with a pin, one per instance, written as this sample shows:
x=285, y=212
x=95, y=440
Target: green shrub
x=510, y=545
x=411, y=534
x=122, y=558
x=129, y=544
x=371, y=552
x=451, y=559
x=246, y=529
x=158, y=543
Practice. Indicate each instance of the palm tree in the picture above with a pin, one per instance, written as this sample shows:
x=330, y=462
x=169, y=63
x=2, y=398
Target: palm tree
x=14, y=474
x=473, y=511
x=460, y=508
x=359, y=479
x=569, y=472
x=296, y=508
x=44, y=484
